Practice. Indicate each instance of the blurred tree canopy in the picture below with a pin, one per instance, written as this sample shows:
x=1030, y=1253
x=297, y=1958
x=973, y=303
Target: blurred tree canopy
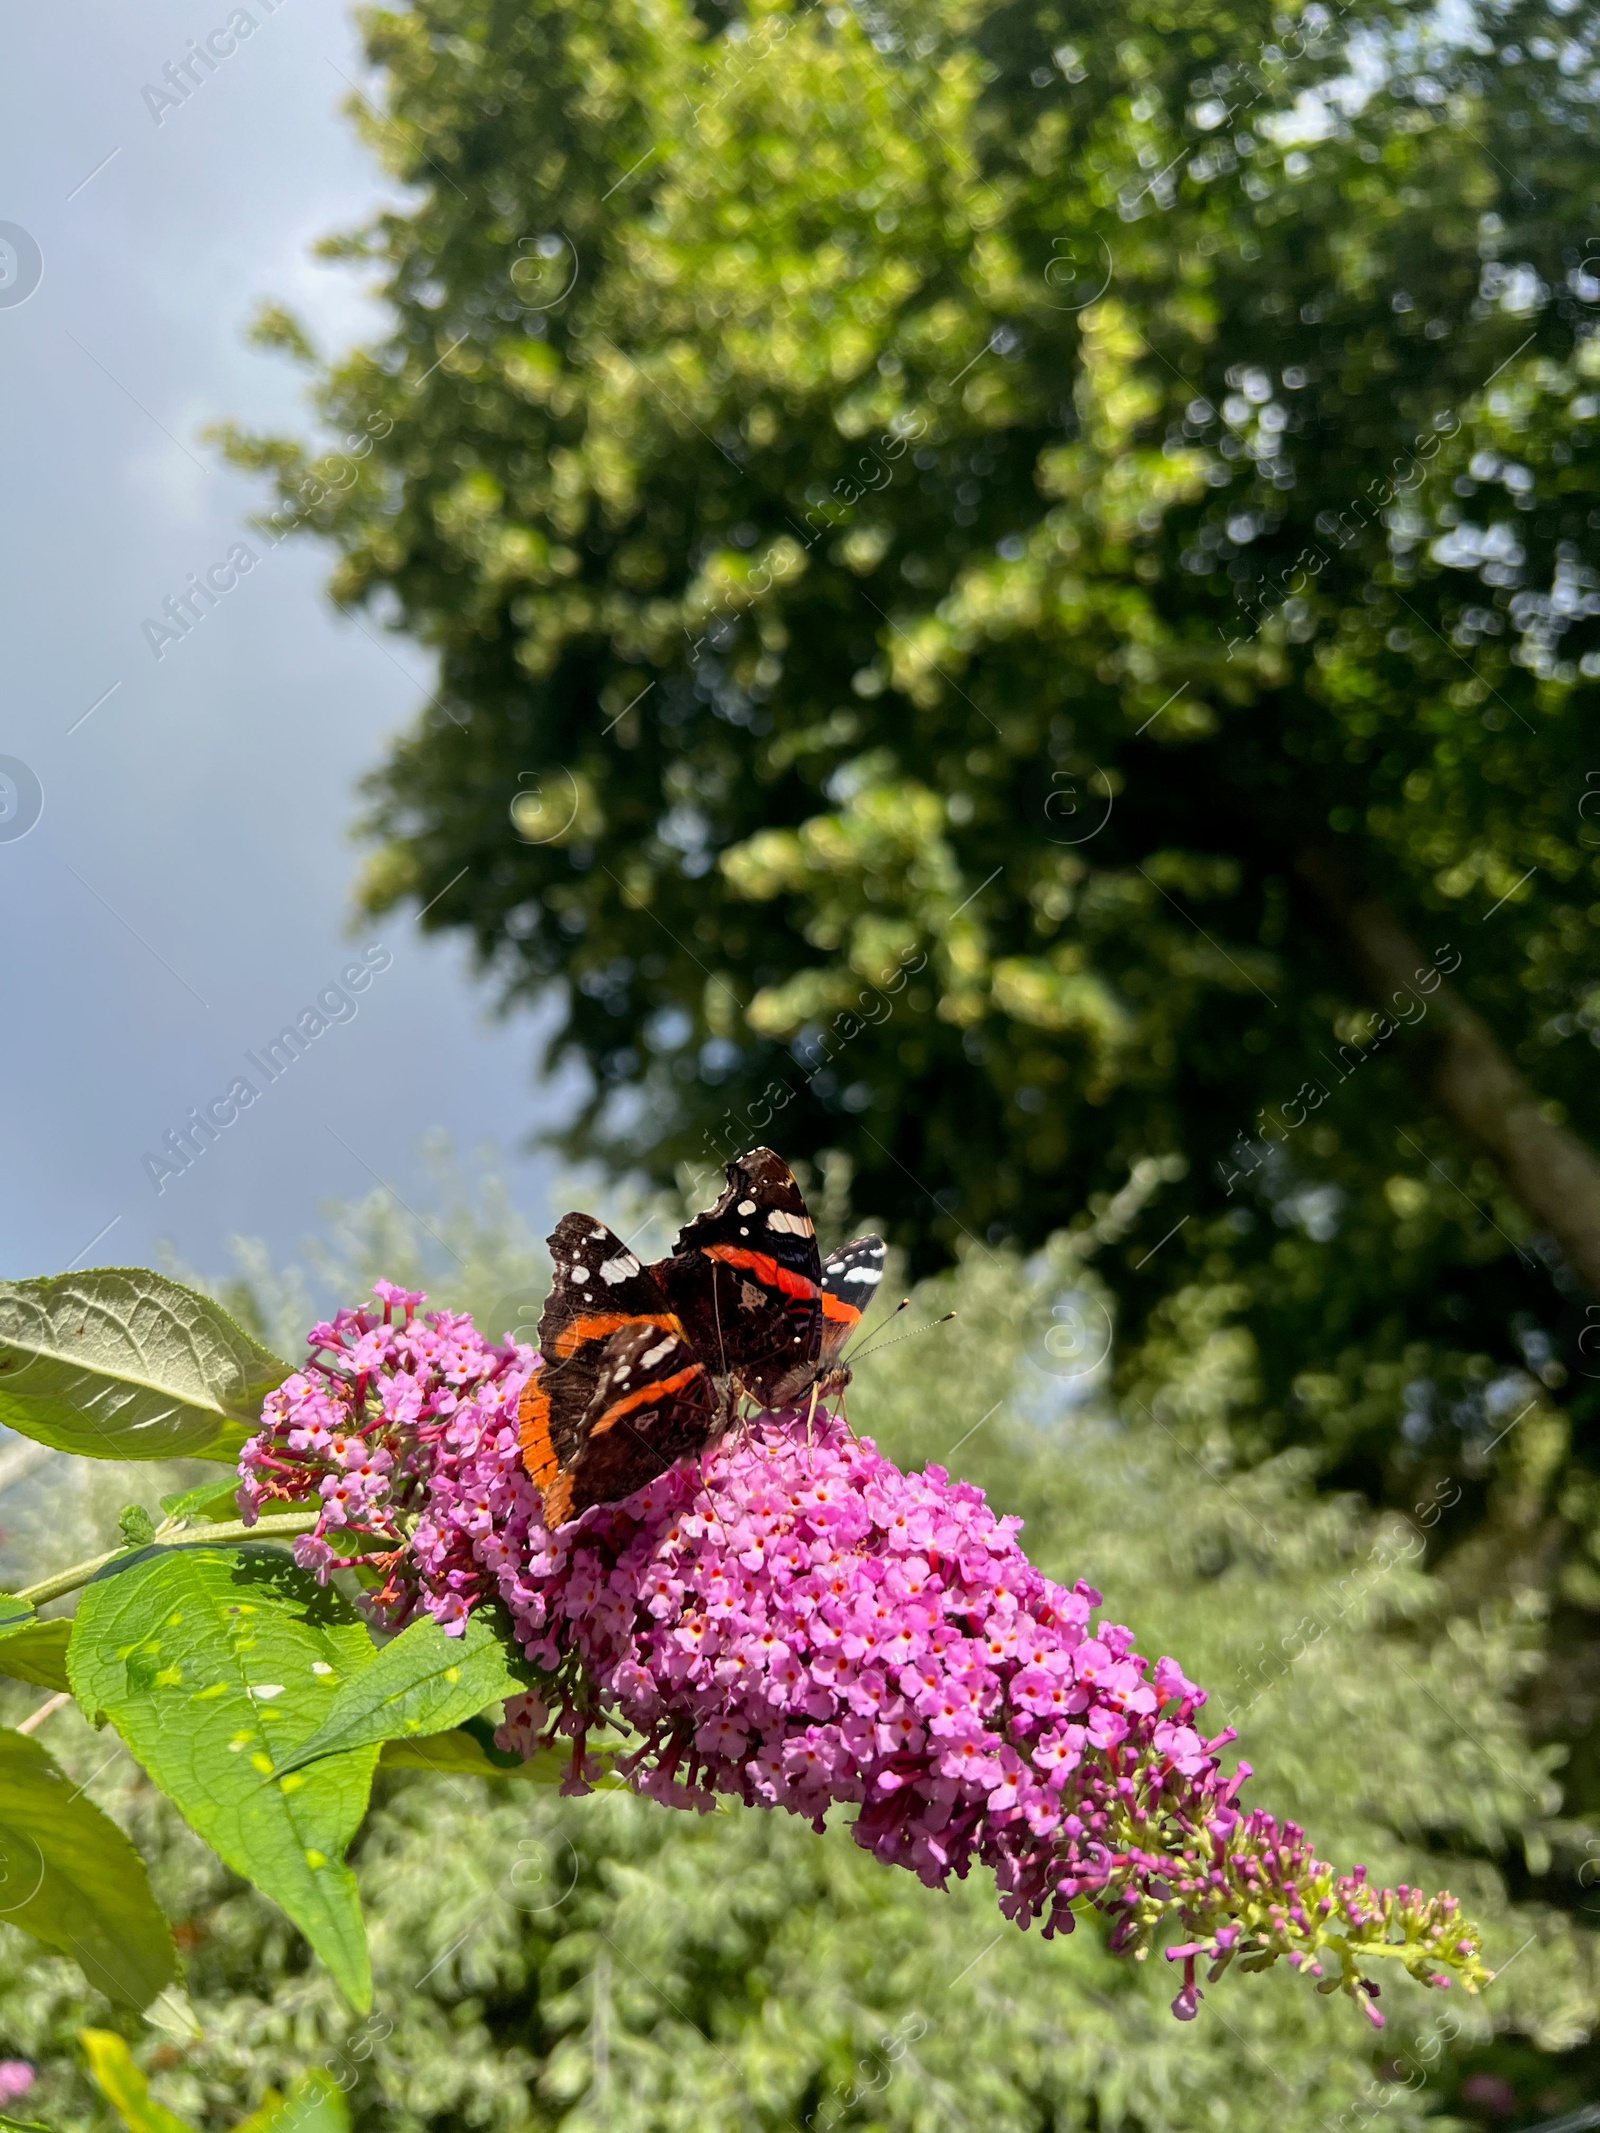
x=1012, y=592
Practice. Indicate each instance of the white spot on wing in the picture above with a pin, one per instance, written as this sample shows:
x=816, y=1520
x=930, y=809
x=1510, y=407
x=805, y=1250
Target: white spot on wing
x=791, y=1225
x=618, y=1269
x=652, y=1356
x=747, y=1207
x=871, y=1275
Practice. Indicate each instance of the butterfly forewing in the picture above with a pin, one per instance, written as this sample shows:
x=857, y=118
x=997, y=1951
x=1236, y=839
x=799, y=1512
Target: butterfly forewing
x=745, y=1277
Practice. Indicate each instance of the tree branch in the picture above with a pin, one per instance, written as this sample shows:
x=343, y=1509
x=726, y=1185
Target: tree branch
x=1550, y=1170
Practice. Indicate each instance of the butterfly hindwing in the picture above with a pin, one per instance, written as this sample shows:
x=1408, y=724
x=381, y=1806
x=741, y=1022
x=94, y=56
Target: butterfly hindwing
x=745, y=1277
x=850, y=1278
x=599, y=1290
x=653, y=1402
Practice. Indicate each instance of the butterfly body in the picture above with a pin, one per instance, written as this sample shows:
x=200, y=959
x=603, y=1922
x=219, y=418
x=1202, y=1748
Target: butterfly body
x=644, y=1365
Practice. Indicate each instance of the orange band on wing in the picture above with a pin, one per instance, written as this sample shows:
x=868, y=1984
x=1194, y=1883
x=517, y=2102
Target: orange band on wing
x=557, y=1496
x=533, y=1418
x=835, y=1307
x=648, y=1396
x=768, y=1269
x=600, y=1325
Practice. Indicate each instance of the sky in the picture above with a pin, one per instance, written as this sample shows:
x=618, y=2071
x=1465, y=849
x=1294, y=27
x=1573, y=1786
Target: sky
x=176, y=814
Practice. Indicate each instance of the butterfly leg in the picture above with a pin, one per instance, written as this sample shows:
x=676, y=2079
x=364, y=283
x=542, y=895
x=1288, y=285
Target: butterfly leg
x=816, y=1387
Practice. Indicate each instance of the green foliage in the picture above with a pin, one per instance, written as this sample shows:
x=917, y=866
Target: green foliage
x=123, y=2086
x=469, y=1751
x=425, y=1682
x=212, y=1500
x=120, y=1363
x=214, y=1666
x=72, y=1879
x=31, y=1650
x=315, y=2104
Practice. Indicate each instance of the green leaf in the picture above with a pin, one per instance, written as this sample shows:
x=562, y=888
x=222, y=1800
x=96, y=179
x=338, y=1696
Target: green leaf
x=458, y=1754
x=469, y=1751
x=31, y=1650
x=36, y=1651
x=124, y=2087
x=315, y=2104
x=424, y=1682
x=120, y=1363
x=21, y=2125
x=454, y=1754
x=70, y=1878
x=211, y=1500
x=214, y=1664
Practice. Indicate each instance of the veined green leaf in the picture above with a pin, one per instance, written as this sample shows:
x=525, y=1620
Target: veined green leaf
x=120, y=1363
x=315, y=2104
x=424, y=1682
x=36, y=1651
x=70, y=1878
x=124, y=2087
x=214, y=1665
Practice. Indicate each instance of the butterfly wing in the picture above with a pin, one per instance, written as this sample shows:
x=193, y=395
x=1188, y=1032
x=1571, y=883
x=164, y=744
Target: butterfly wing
x=599, y=1290
x=653, y=1402
x=850, y=1278
x=745, y=1277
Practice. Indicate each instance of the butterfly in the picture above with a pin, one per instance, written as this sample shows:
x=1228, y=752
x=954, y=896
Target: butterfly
x=644, y=1365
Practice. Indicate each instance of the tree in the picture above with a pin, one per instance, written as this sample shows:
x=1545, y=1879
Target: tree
x=1012, y=603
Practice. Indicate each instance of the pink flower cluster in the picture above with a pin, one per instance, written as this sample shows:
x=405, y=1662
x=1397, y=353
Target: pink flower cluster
x=379, y=1411
x=802, y=1625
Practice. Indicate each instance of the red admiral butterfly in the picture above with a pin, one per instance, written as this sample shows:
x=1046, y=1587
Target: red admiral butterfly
x=645, y=1364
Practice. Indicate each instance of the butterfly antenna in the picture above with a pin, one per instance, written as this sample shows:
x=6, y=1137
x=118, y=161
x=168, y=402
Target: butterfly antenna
x=899, y=1337
x=903, y=1305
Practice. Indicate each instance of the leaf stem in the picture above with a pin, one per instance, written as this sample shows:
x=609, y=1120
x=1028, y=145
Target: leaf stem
x=280, y=1528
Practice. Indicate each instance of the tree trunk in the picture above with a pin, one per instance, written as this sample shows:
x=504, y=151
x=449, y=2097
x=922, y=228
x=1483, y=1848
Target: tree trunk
x=1551, y=1171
